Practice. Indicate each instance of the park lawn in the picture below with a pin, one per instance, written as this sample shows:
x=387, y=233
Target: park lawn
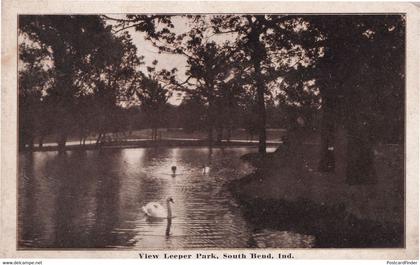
x=318, y=203
x=178, y=133
x=168, y=134
x=301, y=180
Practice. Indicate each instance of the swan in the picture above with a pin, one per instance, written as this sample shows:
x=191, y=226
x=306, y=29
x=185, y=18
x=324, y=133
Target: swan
x=156, y=210
x=173, y=168
x=206, y=169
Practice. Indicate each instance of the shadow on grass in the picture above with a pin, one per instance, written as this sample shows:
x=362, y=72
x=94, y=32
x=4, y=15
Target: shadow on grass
x=333, y=226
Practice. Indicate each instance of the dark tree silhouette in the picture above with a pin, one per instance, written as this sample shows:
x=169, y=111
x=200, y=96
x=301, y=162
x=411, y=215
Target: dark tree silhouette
x=71, y=39
x=153, y=90
x=86, y=59
x=270, y=45
x=110, y=74
x=361, y=80
x=207, y=61
x=33, y=82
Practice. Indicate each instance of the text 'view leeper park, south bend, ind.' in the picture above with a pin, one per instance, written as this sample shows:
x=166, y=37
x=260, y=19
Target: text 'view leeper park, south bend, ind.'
x=168, y=132
x=211, y=255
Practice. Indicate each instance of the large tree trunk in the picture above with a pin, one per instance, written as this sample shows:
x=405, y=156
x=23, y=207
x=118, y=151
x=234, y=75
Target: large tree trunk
x=62, y=142
x=27, y=132
x=210, y=135
x=257, y=55
x=219, y=136
x=261, y=109
x=327, y=161
x=210, y=113
x=21, y=143
x=99, y=139
x=41, y=140
x=31, y=139
x=360, y=157
x=155, y=134
x=229, y=133
x=64, y=94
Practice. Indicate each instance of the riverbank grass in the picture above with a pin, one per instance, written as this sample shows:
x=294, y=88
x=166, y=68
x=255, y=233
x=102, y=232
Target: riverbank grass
x=287, y=192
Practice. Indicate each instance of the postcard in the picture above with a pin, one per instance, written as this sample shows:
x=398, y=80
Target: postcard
x=209, y=130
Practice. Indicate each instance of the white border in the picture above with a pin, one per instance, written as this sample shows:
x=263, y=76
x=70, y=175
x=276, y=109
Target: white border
x=10, y=9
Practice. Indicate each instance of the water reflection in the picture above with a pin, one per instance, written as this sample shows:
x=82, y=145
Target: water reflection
x=93, y=199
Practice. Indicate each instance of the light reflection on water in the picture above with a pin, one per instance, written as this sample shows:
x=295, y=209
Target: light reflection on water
x=93, y=199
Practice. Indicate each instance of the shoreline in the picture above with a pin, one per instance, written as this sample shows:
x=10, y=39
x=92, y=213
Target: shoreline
x=269, y=200
x=149, y=143
x=331, y=225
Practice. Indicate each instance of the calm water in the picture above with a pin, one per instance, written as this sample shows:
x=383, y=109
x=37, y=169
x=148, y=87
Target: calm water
x=93, y=199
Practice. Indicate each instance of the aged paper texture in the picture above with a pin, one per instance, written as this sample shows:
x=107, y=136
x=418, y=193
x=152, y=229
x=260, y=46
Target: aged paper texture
x=46, y=211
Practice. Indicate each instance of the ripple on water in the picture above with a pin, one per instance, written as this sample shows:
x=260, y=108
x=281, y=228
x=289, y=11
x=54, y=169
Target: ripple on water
x=282, y=239
x=94, y=199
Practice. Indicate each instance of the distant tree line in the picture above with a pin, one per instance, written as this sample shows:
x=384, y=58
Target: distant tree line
x=84, y=74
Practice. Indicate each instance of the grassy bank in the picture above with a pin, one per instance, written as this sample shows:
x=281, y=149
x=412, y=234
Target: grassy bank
x=287, y=193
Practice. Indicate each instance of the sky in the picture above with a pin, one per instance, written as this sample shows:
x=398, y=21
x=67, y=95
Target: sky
x=150, y=53
x=166, y=61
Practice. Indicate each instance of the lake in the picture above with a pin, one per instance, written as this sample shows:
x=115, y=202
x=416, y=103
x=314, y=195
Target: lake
x=94, y=199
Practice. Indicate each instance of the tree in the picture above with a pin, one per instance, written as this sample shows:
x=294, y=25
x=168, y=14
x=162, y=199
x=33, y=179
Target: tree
x=207, y=60
x=87, y=60
x=110, y=75
x=363, y=92
x=207, y=66
x=271, y=47
x=66, y=37
x=192, y=113
x=33, y=82
x=153, y=91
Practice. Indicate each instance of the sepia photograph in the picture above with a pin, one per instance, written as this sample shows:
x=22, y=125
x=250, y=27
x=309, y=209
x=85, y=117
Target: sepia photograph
x=183, y=131
x=209, y=130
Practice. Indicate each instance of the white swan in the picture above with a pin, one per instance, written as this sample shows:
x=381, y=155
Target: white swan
x=156, y=210
x=206, y=169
